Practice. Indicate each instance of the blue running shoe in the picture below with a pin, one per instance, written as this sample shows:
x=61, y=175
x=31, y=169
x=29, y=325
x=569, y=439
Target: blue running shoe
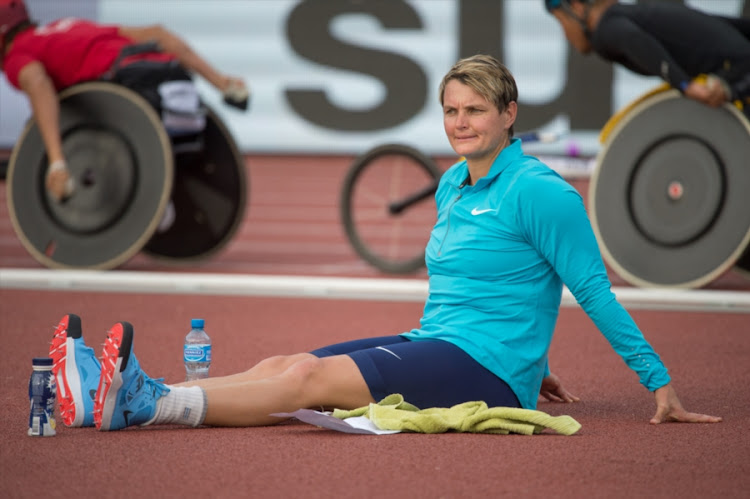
x=126, y=395
x=76, y=370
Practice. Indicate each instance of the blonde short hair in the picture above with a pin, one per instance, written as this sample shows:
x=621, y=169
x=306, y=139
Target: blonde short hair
x=486, y=76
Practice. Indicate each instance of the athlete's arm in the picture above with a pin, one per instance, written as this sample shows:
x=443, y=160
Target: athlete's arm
x=621, y=40
x=640, y=51
x=555, y=222
x=560, y=230
x=741, y=24
x=37, y=85
x=173, y=44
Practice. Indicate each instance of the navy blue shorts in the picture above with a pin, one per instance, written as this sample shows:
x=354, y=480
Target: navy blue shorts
x=428, y=373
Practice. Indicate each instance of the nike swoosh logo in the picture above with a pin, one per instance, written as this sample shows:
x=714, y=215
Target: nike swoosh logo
x=476, y=211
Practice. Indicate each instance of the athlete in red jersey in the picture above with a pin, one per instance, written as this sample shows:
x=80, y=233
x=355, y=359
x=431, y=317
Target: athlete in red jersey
x=42, y=60
x=89, y=50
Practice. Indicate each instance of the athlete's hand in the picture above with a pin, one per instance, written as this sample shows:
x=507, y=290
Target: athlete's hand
x=235, y=92
x=553, y=390
x=58, y=181
x=710, y=92
x=669, y=409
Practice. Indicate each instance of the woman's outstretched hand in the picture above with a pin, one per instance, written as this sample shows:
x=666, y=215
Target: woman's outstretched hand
x=669, y=409
x=553, y=390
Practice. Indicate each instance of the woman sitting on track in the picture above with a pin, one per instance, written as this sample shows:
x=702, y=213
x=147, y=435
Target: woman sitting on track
x=509, y=233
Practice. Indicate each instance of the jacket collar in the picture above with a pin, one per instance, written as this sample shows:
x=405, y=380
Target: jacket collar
x=507, y=156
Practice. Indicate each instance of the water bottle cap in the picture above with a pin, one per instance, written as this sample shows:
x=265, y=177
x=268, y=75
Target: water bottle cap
x=42, y=361
x=197, y=323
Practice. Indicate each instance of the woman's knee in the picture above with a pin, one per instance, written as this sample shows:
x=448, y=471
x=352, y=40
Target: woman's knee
x=311, y=377
x=303, y=370
x=325, y=381
x=279, y=363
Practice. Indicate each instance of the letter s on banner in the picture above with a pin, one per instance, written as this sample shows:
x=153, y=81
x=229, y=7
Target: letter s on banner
x=405, y=81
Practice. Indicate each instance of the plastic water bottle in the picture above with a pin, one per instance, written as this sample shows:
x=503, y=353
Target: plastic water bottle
x=42, y=394
x=197, y=351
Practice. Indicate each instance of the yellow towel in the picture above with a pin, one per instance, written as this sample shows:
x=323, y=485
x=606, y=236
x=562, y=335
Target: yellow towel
x=394, y=413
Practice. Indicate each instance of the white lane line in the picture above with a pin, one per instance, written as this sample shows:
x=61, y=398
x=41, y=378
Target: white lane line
x=340, y=288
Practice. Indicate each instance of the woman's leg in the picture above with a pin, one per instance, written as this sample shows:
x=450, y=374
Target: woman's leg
x=127, y=396
x=310, y=382
x=324, y=378
x=263, y=369
x=280, y=363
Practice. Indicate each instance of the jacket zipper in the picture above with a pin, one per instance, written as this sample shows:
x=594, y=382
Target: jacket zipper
x=448, y=224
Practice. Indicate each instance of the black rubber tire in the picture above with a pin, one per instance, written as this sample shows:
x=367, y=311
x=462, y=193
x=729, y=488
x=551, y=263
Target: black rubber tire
x=204, y=225
x=421, y=168
x=652, y=237
x=53, y=239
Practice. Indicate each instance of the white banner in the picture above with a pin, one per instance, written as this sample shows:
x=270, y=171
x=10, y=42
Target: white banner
x=340, y=76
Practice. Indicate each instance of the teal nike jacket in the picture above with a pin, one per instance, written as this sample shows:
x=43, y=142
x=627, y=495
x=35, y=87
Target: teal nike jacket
x=497, y=259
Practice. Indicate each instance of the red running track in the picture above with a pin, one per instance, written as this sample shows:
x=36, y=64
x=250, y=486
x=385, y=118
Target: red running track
x=292, y=228
x=616, y=453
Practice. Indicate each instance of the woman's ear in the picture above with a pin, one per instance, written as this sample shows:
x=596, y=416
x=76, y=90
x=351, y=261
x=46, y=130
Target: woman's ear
x=511, y=111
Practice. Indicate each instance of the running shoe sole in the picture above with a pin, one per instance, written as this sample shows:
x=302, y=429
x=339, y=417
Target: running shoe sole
x=64, y=367
x=114, y=360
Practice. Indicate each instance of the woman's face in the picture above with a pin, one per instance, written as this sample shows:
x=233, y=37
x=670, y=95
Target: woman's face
x=473, y=125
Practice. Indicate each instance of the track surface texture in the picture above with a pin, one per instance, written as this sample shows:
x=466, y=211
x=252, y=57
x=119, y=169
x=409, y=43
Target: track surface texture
x=292, y=228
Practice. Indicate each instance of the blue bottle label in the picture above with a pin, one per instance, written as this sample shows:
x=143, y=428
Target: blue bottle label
x=42, y=394
x=197, y=353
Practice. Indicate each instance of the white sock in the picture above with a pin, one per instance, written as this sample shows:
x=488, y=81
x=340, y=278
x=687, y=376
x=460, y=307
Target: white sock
x=182, y=405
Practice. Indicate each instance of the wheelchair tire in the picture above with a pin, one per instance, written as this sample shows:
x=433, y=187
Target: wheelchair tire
x=393, y=243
